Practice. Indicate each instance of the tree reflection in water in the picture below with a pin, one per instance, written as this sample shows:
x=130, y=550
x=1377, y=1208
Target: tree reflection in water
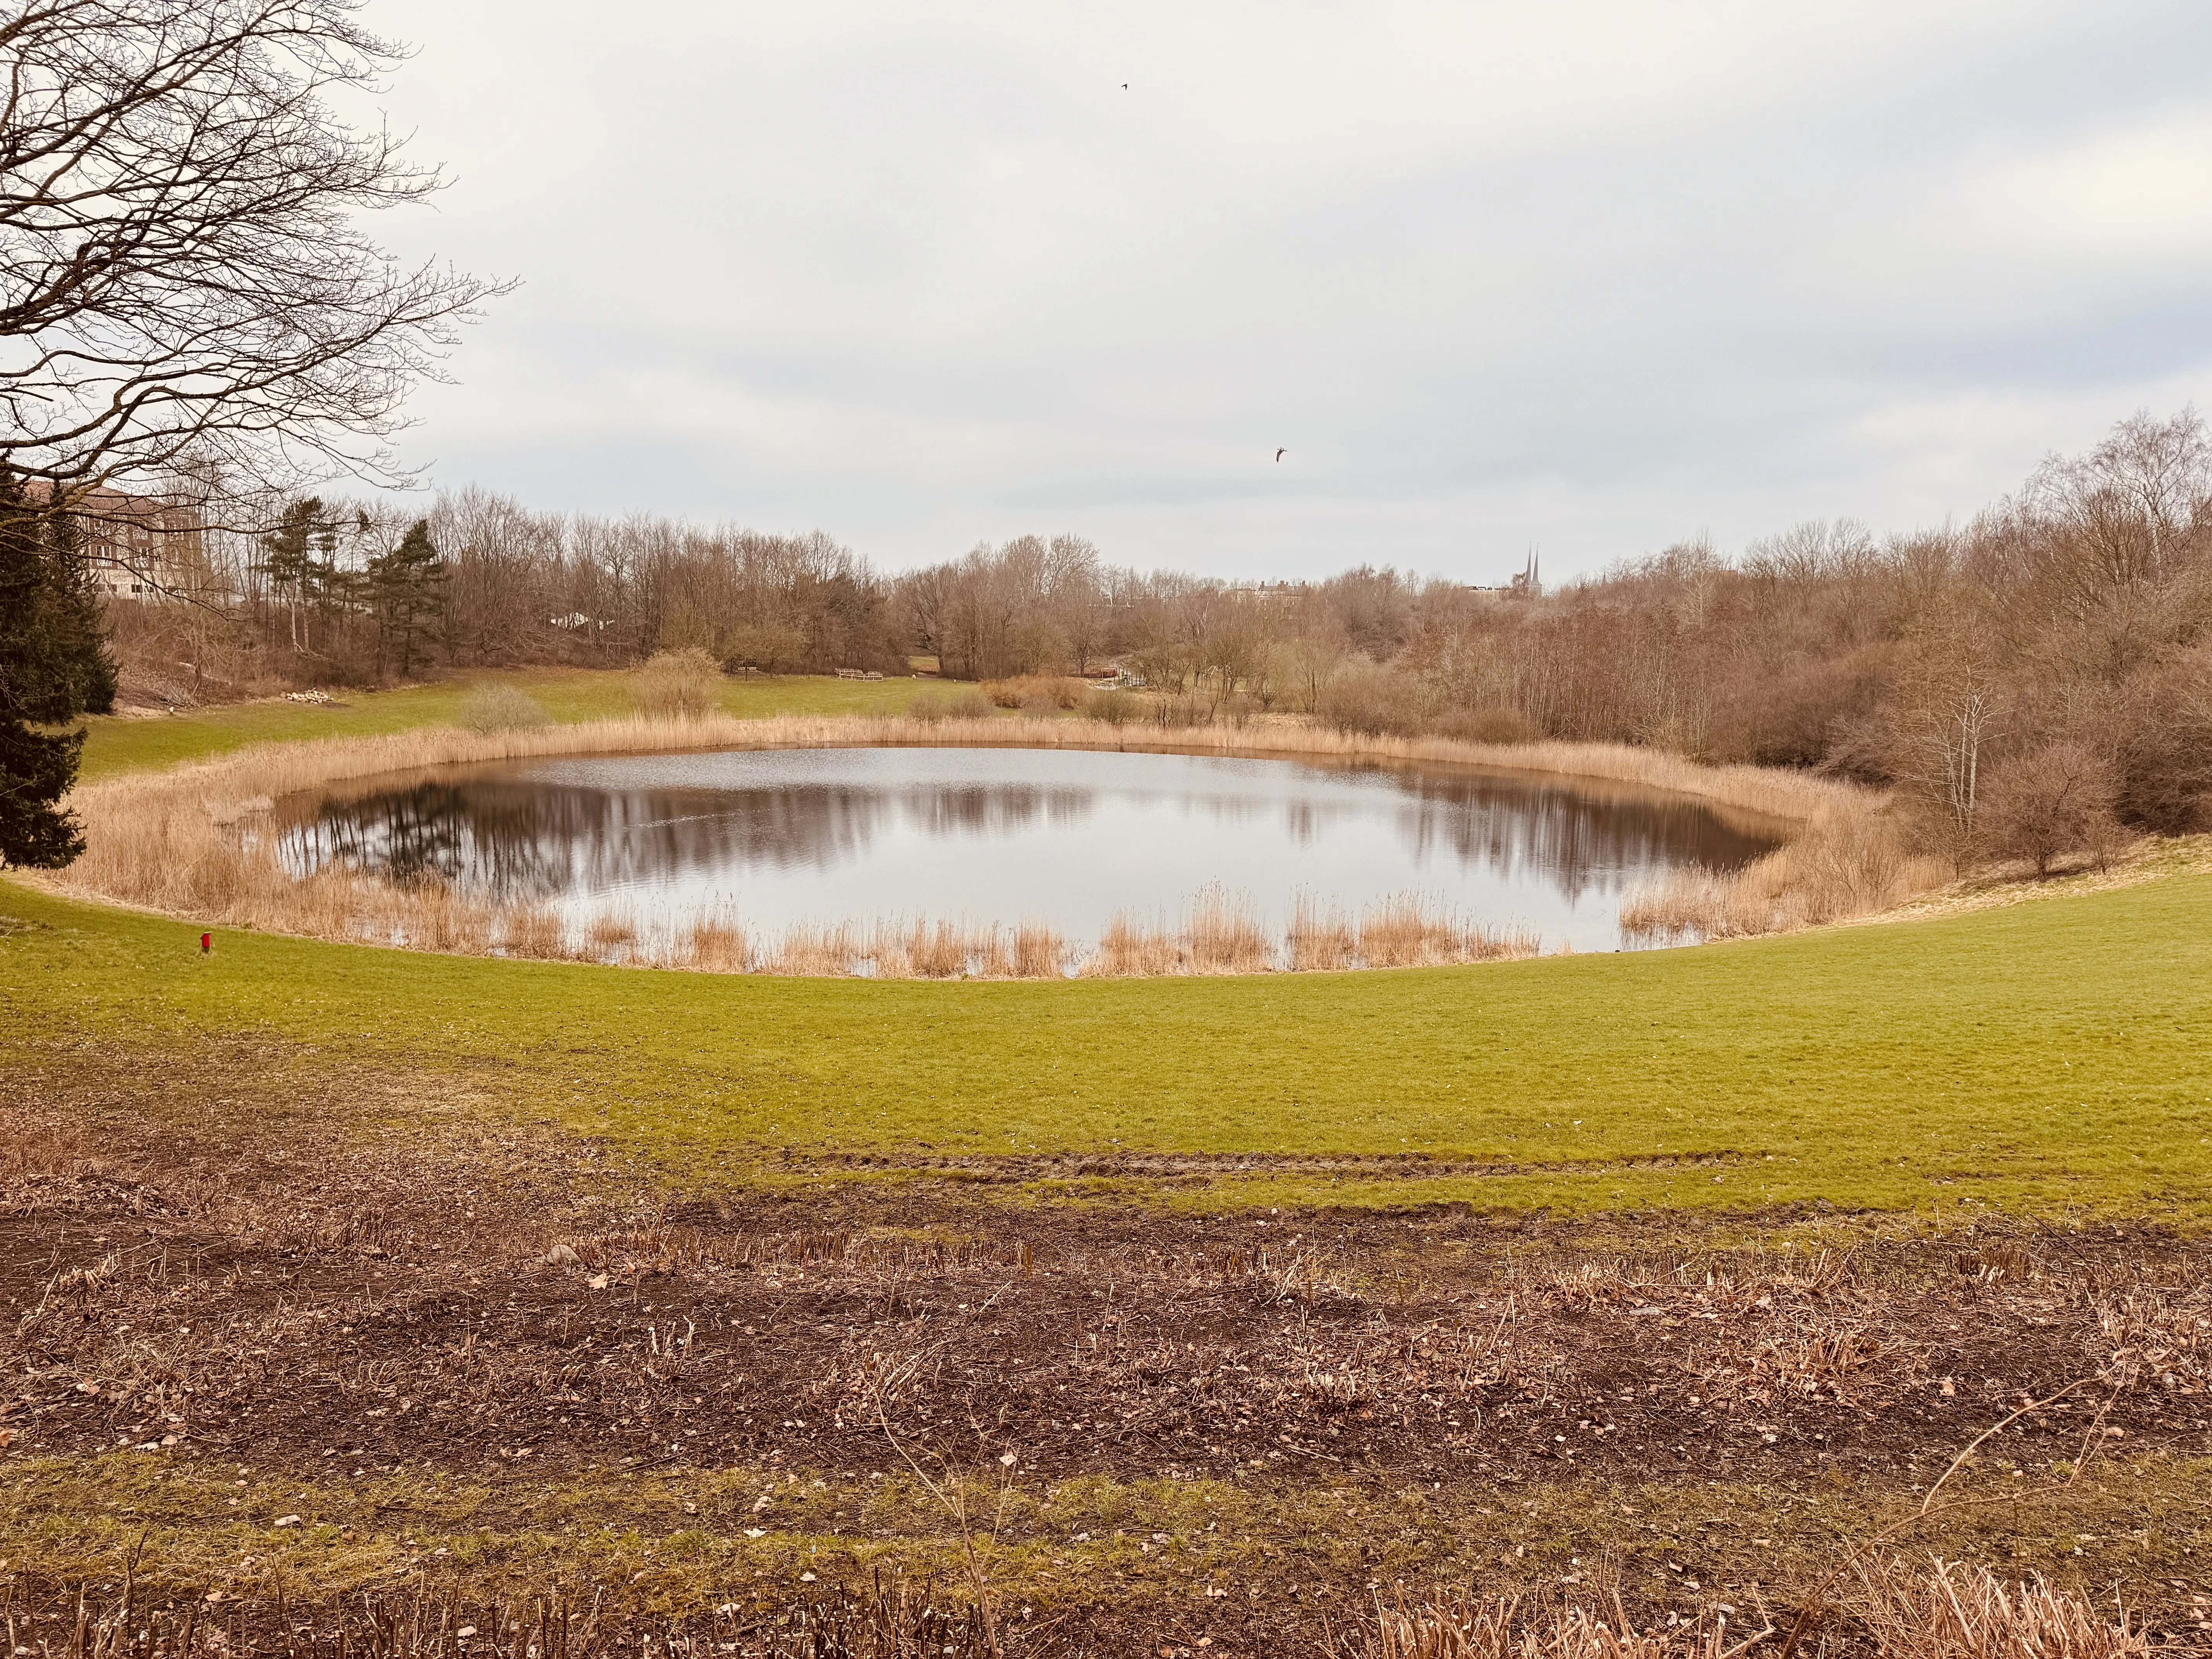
x=535, y=832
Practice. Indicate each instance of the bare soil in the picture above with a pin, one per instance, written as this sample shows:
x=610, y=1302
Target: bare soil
x=270, y=1285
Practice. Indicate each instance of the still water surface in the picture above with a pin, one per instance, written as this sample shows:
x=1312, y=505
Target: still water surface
x=1008, y=836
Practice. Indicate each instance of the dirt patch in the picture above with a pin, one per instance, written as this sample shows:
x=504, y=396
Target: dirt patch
x=341, y=1289
x=469, y=1303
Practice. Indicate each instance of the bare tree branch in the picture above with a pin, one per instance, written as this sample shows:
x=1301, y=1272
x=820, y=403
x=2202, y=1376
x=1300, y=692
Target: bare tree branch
x=182, y=283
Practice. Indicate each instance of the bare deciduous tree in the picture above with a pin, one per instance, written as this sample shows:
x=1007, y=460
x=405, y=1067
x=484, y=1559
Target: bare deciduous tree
x=183, y=287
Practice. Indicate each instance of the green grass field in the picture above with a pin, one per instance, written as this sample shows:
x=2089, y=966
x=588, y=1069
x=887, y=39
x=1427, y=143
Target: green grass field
x=116, y=744
x=357, y=1159
x=2040, y=1059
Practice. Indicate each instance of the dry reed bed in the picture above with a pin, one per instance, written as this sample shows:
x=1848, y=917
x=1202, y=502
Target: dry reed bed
x=1946, y=1610
x=167, y=841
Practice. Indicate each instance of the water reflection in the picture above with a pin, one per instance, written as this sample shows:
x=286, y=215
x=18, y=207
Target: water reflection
x=1012, y=835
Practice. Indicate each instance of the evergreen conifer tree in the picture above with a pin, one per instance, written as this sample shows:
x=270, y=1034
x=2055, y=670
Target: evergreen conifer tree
x=300, y=555
x=54, y=666
x=408, y=587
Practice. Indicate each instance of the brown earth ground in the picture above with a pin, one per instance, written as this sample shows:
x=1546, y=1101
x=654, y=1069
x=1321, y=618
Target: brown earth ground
x=287, y=1361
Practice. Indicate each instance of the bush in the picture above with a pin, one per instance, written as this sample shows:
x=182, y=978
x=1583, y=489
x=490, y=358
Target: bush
x=684, y=683
x=502, y=709
x=1114, y=707
x=1371, y=700
x=2039, y=807
x=1489, y=725
x=966, y=704
x=1035, y=692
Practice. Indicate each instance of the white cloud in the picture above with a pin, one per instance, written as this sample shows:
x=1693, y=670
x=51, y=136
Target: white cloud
x=1596, y=274
x=2137, y=195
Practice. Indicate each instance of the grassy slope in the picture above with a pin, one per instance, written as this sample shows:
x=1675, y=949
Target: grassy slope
x=2034, y=1058
x=118, y=744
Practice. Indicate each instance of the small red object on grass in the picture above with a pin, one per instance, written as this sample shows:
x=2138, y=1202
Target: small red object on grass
x=207, y=944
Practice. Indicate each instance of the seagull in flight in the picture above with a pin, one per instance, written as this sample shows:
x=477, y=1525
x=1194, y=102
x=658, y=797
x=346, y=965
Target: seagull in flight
x=1278, y=456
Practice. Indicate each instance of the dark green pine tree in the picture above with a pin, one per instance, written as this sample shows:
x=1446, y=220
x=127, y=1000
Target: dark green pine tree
x=76, y=632
x=407, y=585
x=299, y=557
x=54, y=666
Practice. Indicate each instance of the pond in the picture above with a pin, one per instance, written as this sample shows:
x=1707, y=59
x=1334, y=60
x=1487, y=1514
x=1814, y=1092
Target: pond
x=1004, y=836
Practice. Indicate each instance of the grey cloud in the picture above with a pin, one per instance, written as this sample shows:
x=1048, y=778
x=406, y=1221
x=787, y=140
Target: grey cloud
x=1590, y=282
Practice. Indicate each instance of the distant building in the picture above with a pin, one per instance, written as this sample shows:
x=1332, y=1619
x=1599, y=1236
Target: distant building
x=138, y=547
x=1269, y=592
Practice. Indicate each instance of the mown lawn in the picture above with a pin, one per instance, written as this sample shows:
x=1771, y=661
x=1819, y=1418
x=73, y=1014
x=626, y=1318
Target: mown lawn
x=2047, y=1058
x=116, y=743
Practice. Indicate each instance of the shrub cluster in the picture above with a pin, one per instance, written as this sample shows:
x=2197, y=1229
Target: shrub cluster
x=684, y=684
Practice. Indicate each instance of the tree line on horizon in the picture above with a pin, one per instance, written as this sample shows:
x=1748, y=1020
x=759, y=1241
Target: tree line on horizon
x=2048, y=661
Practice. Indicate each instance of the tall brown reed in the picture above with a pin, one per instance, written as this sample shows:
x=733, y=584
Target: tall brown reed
x=1950, y=1611
x=1039, y=952
x=170, y=841
x=716, y=944
x=611, y=934
x=1845, y=865
x=1319, y=941
x=1128, y=949
x=533, y=931
x=1221, y=938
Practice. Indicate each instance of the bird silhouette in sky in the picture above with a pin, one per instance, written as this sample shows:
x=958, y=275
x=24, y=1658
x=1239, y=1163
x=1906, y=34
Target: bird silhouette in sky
x=1279, y=454
x=1125, y=86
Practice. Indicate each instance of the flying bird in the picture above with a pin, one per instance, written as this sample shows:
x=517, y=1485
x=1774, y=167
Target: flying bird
x=1279, y=454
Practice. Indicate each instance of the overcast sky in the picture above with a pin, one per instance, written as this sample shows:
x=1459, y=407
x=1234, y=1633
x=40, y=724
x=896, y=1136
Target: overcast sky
x=1587, y=275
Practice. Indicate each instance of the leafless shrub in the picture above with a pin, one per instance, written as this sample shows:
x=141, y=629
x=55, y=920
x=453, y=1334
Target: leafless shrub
x=1369, y=700
x=499, y=708
x=684, y=684
x=1110, y=707
x=2057, y=800
x=934, y=709
x=1036, y=692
